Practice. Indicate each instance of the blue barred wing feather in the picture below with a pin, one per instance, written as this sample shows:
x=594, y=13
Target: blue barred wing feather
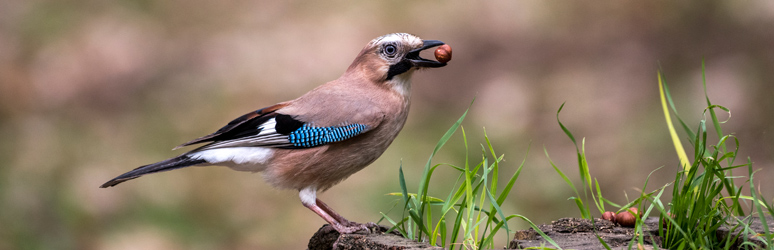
x=310, y=136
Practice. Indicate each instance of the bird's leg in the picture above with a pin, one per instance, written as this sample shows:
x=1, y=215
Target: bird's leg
x=341, y=219
x=332, y=213
x=342, y=225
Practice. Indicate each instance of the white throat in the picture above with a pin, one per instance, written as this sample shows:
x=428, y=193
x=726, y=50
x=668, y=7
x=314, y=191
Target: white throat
x=402, y=83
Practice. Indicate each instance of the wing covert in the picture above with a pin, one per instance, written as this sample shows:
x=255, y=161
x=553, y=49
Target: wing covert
x=310, y=136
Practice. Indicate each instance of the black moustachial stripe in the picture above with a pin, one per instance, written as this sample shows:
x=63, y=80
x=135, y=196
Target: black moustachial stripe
x=398, y=68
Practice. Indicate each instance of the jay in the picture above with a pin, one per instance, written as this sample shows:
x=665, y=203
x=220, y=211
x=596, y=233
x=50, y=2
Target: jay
x=321, y=138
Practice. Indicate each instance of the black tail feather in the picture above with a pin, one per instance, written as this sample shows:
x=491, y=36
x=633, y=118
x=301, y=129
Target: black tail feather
x=165, y=165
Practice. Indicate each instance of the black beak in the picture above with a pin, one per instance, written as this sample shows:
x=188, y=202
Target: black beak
x=417, y=61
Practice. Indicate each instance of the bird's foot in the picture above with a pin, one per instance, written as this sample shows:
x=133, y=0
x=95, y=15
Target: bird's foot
x=352, y=227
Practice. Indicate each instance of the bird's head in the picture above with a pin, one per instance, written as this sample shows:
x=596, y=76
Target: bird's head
x=393, y=57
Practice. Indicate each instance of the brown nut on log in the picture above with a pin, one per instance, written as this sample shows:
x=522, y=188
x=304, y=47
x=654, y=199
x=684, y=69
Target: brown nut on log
x=627, y=218
x=609, y=215
x=443, y=53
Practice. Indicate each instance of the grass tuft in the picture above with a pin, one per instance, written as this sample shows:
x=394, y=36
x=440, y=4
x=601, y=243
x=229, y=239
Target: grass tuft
x=705, y=196
x=471, y=215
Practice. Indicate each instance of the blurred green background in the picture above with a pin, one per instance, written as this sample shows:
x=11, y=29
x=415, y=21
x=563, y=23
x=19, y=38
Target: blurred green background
x=90, y=89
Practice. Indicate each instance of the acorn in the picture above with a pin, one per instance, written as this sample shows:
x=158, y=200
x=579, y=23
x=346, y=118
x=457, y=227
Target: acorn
x=627, y=218
x=609, y=215
x=443, y=53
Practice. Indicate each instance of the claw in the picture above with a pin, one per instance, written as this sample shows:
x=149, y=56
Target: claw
x=351, y=228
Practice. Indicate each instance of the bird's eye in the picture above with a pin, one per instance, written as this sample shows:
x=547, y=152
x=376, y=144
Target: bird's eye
x=390, y=50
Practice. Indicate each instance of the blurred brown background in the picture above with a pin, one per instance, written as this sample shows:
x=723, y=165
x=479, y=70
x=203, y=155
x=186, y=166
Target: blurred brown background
x=90, y=89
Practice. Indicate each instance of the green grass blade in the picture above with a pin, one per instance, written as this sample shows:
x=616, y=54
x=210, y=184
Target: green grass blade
x=674, y=109
x=566, y=131
x=540, y=232
x=428, y=199
x=499, y=210
x=496, y=164
x=675, y=139
x=457, y=223
x=582, y=164
x=604, y=244
x=402, y=180
x=424, y=182
x=584, y=211
x=600, y=202
x=757, y=206
x=512, y=180
x=419, y=221
x=442, y=225
x=408, y=232
x=395, y=225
